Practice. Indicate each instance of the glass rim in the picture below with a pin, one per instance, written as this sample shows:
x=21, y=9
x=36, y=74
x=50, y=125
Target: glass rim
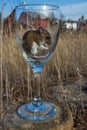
x=52, y=6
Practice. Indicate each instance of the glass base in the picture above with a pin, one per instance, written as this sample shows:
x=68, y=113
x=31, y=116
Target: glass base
x=36, y=111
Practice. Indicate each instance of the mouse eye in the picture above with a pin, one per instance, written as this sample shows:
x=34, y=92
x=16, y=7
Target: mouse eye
x=48, y=37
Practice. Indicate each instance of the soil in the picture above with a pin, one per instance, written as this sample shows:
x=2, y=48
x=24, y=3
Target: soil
x=75, y=96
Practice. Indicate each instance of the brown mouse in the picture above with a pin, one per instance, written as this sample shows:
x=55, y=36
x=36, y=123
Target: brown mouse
x=35, y=41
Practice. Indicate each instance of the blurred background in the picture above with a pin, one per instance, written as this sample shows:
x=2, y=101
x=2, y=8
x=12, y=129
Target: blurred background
x=64, y=77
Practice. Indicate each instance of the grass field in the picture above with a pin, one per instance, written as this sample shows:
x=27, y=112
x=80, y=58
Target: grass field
x=68, y=64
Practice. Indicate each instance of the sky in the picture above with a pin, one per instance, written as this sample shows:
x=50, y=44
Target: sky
x=71, y=9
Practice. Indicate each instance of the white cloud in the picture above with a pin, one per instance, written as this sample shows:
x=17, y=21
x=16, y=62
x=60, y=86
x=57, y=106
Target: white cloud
x=74, y=11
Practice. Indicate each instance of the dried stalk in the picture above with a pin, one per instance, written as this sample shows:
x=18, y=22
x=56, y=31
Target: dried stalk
x=1, y=72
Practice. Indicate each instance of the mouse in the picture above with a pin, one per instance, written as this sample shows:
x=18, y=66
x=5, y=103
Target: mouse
x=35, y=42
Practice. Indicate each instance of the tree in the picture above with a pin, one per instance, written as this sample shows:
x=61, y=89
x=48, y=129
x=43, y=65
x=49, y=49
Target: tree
x=0, y=17
x=51, y=15
x=62, y=17
x=82, y=17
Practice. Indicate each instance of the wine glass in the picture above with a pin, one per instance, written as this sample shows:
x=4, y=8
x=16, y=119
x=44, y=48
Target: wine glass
x=37, y=33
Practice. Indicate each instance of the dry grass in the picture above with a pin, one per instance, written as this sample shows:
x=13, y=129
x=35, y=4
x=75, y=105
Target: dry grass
x=72, y=53
x=69, y=63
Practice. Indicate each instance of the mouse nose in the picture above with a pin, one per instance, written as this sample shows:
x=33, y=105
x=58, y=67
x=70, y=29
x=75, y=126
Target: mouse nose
x=44, y=47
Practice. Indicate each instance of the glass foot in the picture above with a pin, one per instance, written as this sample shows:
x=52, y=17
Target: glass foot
x=36, y=111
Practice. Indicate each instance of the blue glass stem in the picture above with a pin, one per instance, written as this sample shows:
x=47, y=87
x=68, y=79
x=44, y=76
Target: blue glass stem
x=37, y=110
x=37, y=82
